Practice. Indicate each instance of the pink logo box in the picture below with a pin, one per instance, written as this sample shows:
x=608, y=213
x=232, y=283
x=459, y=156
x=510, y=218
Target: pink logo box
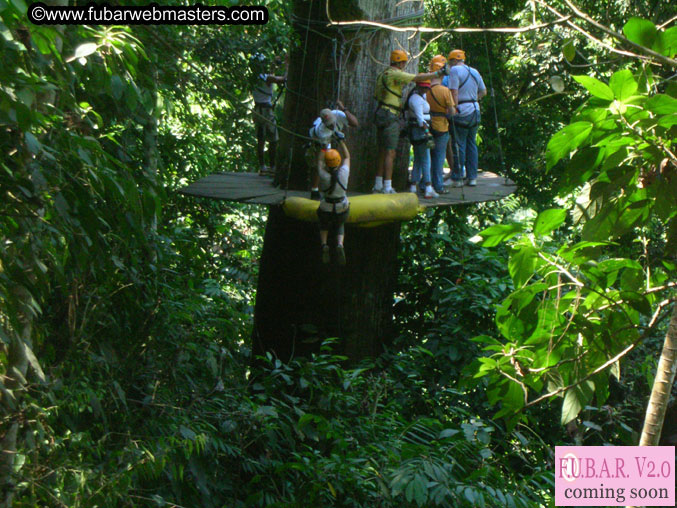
x=614, y=476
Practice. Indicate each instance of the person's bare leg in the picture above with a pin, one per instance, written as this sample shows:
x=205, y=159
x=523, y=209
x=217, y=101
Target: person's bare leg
x=388, y=159
x=381, y=161
x=325, y=247
x=315, y=177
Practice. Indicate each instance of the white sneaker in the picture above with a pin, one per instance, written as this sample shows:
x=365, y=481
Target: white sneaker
x=431, y=194
x=377, y=190
x=472, y=182
x=457, y=183
x=389, y=191
x=412, y=188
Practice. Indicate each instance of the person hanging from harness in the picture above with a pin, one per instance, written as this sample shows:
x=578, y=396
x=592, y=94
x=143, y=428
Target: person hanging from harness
x=388, y=94
x=264, y=115
x=327, y=130
x=334, y=207
x=417, y=115
x=441, y=108
x=467, y=87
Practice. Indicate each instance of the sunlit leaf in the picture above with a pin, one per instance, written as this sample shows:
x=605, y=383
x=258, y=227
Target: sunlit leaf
x=522, y=264
x=569, y=50
x=549, y=220
x=499, y=233
x=83, y=51
x=566, y=140
x=623, y=84
x=640, y=31
x=666, y=42
x=596, y=87
x=662, y=104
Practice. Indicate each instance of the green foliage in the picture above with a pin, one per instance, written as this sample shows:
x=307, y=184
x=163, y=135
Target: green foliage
x=578, y=309
x=133, y=305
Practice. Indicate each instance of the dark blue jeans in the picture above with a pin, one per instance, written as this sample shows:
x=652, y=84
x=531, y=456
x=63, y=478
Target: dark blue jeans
x=465, y=151
x=437, y=157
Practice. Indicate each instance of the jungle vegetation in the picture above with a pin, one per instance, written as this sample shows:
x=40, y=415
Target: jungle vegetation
x=126, y=309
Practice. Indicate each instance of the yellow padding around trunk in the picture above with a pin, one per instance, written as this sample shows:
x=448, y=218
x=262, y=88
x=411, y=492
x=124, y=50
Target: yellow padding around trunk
x=366, y=210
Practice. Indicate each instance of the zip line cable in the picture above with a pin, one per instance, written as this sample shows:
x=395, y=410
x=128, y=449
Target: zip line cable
x=493, y=100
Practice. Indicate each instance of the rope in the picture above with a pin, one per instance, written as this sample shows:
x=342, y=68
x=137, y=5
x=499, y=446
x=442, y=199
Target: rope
x=340, y=69
x=493, y=99
x=225, y=91
x=296, y=116
x=456, y=161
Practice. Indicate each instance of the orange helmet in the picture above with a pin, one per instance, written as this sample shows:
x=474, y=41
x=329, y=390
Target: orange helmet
x=332, y=158
x=398, y=56
x=457, y=54
x=437, y=62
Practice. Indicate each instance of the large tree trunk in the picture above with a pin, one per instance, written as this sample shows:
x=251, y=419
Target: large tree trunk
x=662, y=386
x=299, y=300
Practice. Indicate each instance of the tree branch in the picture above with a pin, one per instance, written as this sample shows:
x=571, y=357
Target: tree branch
x=657, y=56
x=606, y=364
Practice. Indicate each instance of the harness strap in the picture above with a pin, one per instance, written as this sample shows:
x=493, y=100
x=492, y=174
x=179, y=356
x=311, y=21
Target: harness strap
x=385, y=85
x=332, y=185
x=264, y=92
x=389, y=106
x=435, y=98
x=334, y=201
x=470, y=75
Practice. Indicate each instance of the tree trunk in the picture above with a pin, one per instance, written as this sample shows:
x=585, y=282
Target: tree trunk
x=300, y=301
x=662, y=386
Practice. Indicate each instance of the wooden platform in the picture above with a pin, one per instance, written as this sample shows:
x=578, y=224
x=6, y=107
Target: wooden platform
x=252, y=188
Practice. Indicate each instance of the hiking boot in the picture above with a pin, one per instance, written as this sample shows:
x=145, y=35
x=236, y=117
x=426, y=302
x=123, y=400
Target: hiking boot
x=325, y=253
x=340, y=255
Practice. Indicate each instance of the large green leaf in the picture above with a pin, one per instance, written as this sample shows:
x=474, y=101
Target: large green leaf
x=576, y=399
x=623, y=84
x=522, y=264
x=566, y=140
x=666, y=42
x=662, y=104
x=569, y=50
x=549, y=220
x=640, y=31
x=596, y=87
x=499, y=233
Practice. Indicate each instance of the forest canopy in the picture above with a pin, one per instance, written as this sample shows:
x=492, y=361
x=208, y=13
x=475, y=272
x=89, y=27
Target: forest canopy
x=132, y=368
